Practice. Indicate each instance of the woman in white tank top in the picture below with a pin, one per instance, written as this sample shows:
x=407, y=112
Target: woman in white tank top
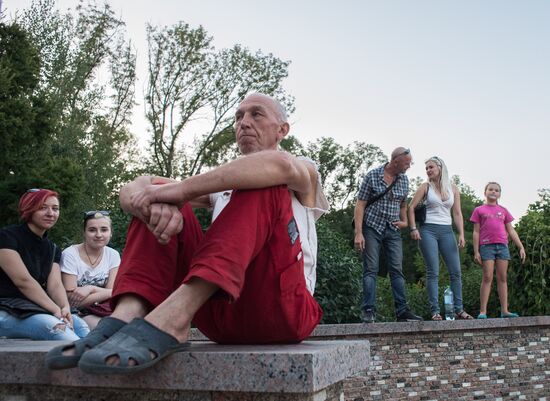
x=436, y=234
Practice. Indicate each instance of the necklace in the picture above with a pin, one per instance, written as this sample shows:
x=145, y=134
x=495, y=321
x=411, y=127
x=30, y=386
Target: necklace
x=90, y=259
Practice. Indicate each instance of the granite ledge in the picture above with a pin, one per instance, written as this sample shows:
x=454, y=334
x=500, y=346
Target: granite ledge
x=299, y=368
x=326, y=331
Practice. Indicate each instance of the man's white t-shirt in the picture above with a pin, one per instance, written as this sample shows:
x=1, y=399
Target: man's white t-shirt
x=305, y=219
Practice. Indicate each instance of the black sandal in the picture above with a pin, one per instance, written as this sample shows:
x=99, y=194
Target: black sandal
x=463, y=315
x=104, y=329
x=139, y=341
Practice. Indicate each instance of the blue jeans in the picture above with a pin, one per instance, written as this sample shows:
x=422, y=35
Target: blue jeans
x=41, y=327
x=393, y=248
x=440, y=239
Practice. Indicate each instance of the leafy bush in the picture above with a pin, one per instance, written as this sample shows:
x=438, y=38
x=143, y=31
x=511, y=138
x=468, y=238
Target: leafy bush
x=471, y=281
x=120, y=221
x=417, y=296
x=339, y=273
x=528, y=283
x=339, y=286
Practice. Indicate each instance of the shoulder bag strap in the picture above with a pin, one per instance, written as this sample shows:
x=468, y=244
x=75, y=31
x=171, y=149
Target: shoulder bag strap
x=425, y=198
x=376, y=198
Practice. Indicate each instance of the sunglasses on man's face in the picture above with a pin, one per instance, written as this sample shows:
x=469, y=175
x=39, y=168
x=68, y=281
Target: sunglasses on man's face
x=404, y=153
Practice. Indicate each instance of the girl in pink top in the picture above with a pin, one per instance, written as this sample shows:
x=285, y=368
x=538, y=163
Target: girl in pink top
x=492, y=226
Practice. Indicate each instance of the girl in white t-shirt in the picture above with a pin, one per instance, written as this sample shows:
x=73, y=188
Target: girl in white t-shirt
x=89, y=269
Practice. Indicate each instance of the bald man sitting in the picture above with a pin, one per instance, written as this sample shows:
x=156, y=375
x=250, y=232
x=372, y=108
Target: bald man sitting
x=249, y=280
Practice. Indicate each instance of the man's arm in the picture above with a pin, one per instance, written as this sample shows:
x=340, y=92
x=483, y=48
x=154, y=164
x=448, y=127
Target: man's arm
x=168, y=215
x=358, y=215
x=307, y=199
x=365, y=192
x=258, y=170
x=139, y=184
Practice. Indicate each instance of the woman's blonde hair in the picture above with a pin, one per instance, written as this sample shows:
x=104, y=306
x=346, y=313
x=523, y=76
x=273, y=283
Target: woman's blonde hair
x=96, y=214
x=444, y=181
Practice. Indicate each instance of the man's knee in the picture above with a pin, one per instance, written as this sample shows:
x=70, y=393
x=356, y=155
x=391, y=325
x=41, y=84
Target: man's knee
x=370, y=267
x=262, y=196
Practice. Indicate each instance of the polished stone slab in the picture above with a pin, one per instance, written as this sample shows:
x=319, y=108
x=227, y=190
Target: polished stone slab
x=361, y=330
x=307, y=367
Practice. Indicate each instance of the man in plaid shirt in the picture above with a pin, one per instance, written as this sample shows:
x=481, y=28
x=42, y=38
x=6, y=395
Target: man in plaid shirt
x=382, y=208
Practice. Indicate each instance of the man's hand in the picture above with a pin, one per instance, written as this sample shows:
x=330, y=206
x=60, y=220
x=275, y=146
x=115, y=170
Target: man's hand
x=400, y=224
x=359, y=242
x=141, y=202
x=165, y=220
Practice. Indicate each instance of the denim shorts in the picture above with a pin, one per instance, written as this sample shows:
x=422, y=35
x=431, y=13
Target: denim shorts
x=494, y=252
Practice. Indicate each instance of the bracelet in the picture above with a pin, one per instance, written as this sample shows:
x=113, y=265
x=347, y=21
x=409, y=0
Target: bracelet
x=414, y=229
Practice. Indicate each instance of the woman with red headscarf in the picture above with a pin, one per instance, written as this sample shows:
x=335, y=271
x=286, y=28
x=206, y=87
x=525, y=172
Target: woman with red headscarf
x=33, y=302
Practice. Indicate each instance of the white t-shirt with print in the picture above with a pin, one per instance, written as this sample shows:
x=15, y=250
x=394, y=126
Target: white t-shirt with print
x=71, y=263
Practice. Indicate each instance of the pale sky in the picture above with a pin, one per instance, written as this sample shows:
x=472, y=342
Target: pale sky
x=468, y=81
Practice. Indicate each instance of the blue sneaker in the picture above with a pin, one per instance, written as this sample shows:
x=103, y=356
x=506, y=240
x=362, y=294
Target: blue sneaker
x=482, y=316
x=509, y=314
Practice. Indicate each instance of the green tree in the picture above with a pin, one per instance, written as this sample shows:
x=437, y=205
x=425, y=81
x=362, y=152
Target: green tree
x=25, y=118
x=177, y=87
x=190, y=80
x=342, y=167
x=468, y=202
x=528, y=283
x=339, y=287
x=81, y=147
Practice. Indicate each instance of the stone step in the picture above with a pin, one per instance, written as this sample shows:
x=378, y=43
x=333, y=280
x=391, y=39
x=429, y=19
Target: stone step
x=305, y=368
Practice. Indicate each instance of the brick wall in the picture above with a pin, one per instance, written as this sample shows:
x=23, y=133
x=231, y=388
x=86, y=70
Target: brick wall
x=497, y=359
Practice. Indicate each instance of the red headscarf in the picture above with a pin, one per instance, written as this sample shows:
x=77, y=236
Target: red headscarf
x=32, y=200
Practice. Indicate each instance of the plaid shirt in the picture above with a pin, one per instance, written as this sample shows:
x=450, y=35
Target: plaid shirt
x=385, y=210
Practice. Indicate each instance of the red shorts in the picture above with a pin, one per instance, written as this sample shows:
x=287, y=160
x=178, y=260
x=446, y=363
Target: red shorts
x=252, y=252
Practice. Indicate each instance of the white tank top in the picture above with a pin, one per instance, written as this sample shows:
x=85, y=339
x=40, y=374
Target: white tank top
x=438, y=211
